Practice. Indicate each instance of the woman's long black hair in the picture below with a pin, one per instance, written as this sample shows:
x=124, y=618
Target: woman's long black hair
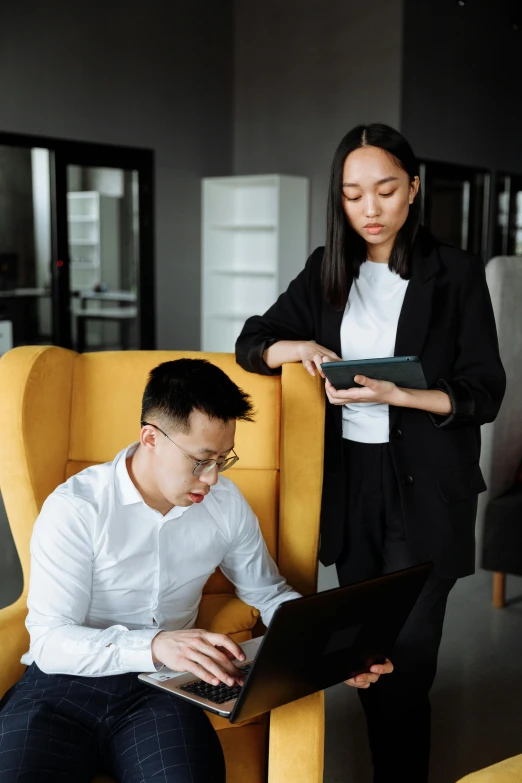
x=345, y=250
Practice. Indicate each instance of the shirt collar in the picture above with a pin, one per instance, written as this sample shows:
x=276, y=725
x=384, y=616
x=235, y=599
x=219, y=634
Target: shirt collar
x=127, y=491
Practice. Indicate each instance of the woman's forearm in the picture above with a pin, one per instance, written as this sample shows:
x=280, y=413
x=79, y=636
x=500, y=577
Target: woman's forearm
x=282, y=352
x=430, y=400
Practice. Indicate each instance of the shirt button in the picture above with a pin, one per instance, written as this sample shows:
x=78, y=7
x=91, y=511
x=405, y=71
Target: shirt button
x=396, y=433
x=408, y=480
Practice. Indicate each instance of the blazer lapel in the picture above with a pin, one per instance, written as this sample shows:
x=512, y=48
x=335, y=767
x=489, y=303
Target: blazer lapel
x=331, y=328
x=416, y=309
x=331, y=338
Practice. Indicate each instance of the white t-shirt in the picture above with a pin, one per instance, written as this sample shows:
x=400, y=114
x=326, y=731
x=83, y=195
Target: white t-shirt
x=368, y=331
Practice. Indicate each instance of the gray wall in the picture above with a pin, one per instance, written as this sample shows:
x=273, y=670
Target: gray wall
x=462, y=83
x=127, y=72
x=305, y=73
x=16, y=212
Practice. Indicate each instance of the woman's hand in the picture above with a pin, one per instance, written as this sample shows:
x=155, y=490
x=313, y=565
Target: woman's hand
x=371, y=391
x=313, y=355
x=430, y=400
x=366, y=679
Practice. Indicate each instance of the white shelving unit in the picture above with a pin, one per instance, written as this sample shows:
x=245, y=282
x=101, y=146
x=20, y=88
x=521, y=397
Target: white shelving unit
x=254, y=242
x=93, y=222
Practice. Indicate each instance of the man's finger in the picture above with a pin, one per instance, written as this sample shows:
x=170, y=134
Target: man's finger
x=213, y=668
x=220, y=658
x=221, y=640
x=226, y=652
x=200, y=671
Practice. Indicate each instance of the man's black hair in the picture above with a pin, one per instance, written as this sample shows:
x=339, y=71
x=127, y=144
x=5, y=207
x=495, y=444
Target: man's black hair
x=175, y=389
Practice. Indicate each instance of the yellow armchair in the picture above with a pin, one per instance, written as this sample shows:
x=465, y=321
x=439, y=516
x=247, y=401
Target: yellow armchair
x=508, y=771
x=61, y=412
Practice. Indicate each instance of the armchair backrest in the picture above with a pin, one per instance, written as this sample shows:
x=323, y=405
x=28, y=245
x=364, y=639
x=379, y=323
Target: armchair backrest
x=501, y=453
x=61, y=412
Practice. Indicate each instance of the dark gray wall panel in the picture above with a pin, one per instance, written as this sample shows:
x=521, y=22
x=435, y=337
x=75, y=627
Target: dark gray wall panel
x=305, y=73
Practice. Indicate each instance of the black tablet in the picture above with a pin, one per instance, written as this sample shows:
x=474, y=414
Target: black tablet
x=404, y=371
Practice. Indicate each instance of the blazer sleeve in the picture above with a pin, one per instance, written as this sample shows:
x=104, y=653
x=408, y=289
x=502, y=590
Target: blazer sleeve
x=478, y=381
x=290, y=318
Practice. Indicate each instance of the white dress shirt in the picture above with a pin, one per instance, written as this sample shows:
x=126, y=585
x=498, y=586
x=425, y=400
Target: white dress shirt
x=368, y=331
x=108, y=572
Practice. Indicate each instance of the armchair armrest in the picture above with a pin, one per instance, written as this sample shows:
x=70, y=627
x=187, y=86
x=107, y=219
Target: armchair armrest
x=507, y=771
x=296, y=750
x=15, y=642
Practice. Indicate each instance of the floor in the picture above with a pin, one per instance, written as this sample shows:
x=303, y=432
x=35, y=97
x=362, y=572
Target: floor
x=477, y=697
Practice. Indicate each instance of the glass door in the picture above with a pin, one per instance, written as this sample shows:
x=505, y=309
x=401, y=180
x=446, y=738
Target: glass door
x=456, y=205
x=104, y=257
x=104, y=271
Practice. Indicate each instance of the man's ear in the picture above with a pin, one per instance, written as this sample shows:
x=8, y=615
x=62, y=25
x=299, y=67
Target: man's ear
x=148, y=438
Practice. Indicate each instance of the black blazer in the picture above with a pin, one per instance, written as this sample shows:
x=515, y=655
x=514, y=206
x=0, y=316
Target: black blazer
x=447, y=320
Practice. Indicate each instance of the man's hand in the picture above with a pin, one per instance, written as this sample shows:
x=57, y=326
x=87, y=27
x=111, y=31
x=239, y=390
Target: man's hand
x=365, y=680
x=207, y=655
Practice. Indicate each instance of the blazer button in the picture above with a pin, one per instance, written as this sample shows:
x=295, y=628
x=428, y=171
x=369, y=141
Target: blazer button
x=396, y=433
x=408, y=480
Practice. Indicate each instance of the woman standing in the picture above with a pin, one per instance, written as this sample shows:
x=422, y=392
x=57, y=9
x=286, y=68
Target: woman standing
x=401, y=467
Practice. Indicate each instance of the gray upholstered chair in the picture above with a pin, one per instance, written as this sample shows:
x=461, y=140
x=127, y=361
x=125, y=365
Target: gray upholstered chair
x=498, y=522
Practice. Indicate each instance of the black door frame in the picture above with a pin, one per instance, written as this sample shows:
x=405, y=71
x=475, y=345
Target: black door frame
x=444, y=168
x=65, y=152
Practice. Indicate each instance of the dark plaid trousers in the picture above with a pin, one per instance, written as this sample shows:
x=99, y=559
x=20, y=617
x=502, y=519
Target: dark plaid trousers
x=64, y=729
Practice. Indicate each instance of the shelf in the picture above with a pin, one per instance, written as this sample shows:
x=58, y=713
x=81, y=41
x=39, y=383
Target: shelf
x=83, y=243
x=231, y=316
x=244, y=227
x=242, y=273
x=88, y=195
x=254, y=242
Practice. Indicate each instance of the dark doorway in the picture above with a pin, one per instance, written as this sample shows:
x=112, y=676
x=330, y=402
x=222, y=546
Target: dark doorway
x=76, y=244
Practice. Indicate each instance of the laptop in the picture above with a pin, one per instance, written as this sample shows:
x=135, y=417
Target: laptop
x=311, y=643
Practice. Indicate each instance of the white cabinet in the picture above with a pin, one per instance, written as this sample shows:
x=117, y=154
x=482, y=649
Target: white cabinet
x=254, y=242
x=93, y=223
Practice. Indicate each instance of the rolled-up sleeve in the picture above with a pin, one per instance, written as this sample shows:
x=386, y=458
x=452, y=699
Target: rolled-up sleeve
x=59, y=599
x=478, y=381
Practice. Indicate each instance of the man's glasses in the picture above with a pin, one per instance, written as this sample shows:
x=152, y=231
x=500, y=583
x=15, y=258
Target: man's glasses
x=204, y=465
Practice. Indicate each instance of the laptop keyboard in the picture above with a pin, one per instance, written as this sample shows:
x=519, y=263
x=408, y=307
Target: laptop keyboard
x=219, y=694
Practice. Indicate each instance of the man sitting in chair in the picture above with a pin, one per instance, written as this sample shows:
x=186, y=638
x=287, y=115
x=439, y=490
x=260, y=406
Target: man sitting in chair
x=120, y=554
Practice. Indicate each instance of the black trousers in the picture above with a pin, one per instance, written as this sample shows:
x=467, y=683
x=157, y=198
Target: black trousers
x=397, y=707
x=57, y=728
